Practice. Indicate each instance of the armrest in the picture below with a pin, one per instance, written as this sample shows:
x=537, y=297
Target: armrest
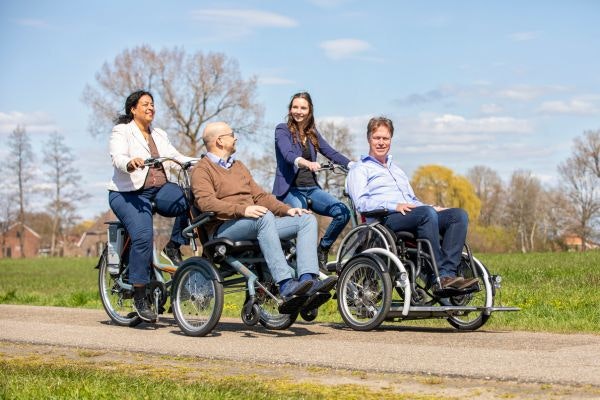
x=380, y=213
x=196, y=222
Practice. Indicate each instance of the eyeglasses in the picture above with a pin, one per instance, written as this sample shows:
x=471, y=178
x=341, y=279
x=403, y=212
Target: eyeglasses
x=232, y=134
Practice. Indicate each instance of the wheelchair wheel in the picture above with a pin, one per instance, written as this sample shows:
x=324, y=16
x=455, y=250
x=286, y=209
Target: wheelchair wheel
x=197, y=298
x=116, y=300
x=470, y=321
x=364, y=292
x=269, y=315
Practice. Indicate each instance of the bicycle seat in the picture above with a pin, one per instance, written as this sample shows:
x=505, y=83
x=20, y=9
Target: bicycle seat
x=232, y=247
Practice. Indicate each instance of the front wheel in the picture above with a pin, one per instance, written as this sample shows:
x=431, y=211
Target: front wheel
x=197, y=298
x=470, y=321
x=116, y=297
x=364, y=292
x=269, y=315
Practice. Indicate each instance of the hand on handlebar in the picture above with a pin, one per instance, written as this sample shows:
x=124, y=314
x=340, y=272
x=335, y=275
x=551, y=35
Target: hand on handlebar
x=135, y=163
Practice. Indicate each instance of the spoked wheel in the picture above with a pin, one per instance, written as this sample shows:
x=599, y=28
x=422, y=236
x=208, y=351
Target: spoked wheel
x=269, y=315
x=197, y=298
x=470, y=321
x=116, y=300
x=364, y=292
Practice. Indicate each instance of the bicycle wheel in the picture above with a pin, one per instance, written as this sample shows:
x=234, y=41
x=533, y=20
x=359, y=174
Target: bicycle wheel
x=197, y=298
x=269, y=315
x=470, y=321
x=116, y=300
x=364, y=292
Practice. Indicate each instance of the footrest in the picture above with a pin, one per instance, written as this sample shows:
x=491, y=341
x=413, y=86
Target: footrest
x=316, y=300
x=292, y=305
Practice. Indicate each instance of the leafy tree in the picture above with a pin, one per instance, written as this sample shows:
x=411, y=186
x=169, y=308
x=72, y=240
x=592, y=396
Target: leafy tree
x=65, y=189
x=190, y=90
x=20, y=161
x=438, y=185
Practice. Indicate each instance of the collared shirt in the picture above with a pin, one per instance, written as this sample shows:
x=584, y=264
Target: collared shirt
x=375, y=186
x=219, y=161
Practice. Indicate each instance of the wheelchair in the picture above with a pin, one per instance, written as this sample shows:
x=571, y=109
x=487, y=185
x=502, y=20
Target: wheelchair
x=383, y=276
x=200, y=282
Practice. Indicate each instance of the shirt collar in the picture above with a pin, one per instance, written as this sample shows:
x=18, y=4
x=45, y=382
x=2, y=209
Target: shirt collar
x=219, y=161
x=367, y=157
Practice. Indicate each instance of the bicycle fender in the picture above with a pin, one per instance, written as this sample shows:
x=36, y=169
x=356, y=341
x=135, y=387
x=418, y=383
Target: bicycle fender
x=210, y=271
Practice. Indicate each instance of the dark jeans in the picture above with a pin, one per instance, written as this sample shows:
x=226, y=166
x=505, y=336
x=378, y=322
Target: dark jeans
x=426, y=223
x=322, y=203
x=134, y=210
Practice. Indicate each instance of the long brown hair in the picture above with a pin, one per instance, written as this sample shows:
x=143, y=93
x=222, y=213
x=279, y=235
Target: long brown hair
x=308, y=128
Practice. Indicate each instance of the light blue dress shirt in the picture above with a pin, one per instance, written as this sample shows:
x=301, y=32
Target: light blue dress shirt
x=375, y=186
x=219, y=161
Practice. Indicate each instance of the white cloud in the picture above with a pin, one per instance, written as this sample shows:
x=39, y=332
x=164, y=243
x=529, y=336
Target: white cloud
x=344, y=48
x=244, y=18
x=523, y=93
x=449, y=123
x=490, y=108
x=33, y=23
x=328, y=3
x=523, y=36
x=573, y=107
x=35, y=122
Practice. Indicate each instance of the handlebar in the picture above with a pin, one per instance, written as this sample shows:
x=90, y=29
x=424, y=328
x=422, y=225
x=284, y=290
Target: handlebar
x=154, y=162
x=335, y=168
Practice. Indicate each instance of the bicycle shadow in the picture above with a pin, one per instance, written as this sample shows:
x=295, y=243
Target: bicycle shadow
x=256, y=331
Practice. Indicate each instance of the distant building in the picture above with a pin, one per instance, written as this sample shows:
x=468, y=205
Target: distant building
x=92, y=242
x=574, y=242
x=11, y=243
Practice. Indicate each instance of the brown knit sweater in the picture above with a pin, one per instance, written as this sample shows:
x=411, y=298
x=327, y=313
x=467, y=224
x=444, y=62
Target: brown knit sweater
x=228, y=192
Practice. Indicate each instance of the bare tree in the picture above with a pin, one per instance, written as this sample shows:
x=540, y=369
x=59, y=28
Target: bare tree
x=583, y=190
x=20, y=160
x=488, y=187
x=339, y=137
x=524, y=207
x=586, y=151
x=190, y=90
x=65, y=189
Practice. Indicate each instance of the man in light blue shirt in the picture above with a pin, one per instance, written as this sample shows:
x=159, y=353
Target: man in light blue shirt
x=377, y=183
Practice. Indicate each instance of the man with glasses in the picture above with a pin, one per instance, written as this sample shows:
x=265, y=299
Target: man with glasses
x=377, y=183
x=245, y=211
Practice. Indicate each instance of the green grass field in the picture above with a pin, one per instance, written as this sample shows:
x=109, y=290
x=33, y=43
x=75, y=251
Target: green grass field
x=557, y=292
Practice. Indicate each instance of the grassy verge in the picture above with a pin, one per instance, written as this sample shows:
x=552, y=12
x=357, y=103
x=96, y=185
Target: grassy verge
x=557, y=292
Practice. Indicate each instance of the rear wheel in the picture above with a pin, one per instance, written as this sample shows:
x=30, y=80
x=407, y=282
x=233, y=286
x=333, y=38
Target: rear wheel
x=117, y=300
x=470, y=321
x=197, y=298
x=364, y=292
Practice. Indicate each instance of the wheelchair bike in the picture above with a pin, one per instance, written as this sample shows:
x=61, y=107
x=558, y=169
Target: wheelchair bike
x=197, y=287
x=385, y=276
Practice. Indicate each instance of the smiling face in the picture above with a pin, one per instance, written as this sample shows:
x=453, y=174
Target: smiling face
x=300, y=110
x=143, y=111
x=380, y=141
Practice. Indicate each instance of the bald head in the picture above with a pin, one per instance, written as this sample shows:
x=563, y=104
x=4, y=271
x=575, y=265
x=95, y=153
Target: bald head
x=212, y=131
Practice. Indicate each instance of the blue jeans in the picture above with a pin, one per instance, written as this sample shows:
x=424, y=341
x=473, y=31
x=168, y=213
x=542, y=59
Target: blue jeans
x=134, y=210
x=426, y=223
x=323, y=203
x=269, y=229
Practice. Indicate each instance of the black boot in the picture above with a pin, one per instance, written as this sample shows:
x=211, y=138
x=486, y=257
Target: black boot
x=323, y=256
x=141, y=304
x=172, y=253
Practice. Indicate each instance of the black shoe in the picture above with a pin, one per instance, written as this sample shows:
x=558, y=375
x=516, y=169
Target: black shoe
x=143, y=310
x=323, y=257
x=323, y=286
x=173, y=254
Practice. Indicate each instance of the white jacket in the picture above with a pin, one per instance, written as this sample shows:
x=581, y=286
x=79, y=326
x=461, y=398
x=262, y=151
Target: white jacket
x=128, y=142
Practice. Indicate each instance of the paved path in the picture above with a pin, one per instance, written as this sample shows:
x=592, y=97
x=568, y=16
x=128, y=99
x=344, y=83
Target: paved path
x=498, y=355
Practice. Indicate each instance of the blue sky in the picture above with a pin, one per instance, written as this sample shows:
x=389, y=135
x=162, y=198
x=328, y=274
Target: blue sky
x=506, y=84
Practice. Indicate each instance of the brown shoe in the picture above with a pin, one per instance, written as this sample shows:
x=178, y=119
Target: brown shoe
x=466, y=283
x=446, y=283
